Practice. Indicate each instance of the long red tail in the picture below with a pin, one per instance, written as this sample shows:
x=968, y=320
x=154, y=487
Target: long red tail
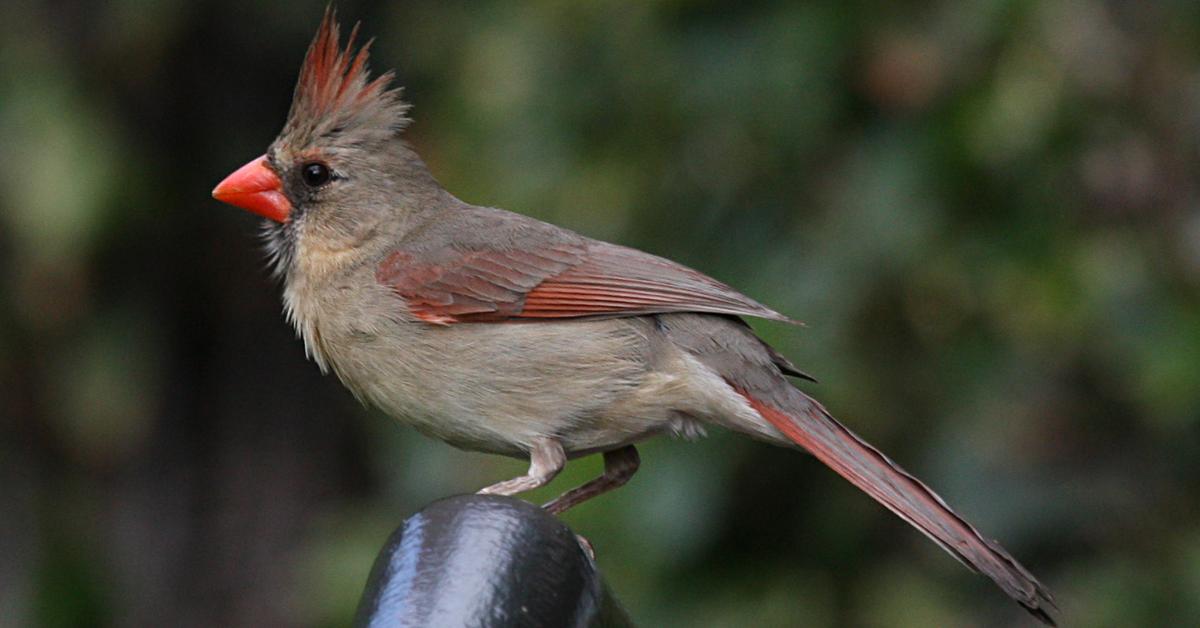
x=867, y=468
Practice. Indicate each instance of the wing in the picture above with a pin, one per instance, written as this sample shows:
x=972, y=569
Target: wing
x=565, y=278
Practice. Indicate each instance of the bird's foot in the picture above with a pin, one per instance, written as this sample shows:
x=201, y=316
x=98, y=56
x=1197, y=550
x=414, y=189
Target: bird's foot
x=587, y=547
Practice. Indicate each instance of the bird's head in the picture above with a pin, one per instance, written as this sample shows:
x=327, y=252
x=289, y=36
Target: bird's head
x=339, y=167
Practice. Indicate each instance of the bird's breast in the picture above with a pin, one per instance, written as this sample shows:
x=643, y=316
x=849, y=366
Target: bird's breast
x=491, y=387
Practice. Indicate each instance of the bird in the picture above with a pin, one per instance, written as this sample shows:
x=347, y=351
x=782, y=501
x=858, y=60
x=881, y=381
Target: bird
x=499, y=333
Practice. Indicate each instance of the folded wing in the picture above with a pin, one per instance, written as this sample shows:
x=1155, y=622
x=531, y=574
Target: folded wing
x=568, y=279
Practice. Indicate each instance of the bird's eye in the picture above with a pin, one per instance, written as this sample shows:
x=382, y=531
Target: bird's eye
x=315, y=174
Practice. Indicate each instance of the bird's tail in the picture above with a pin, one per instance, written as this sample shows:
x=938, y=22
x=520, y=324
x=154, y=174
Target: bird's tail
x=808, y=425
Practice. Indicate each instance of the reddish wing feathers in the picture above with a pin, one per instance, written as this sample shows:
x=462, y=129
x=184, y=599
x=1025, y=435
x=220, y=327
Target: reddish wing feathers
x=566, y=280
x=872, y=472
x=614, y=279
x=455, y=286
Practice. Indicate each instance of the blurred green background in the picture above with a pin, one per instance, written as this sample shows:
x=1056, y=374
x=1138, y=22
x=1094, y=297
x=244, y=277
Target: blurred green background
x=986, y=211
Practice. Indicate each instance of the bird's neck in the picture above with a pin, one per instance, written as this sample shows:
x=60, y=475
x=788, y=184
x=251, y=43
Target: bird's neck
x=409, y=169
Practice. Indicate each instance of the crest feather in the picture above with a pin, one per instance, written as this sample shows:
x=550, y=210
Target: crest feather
x=335, y=89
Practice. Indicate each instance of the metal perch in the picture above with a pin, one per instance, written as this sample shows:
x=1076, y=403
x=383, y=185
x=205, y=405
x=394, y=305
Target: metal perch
x=486, y=561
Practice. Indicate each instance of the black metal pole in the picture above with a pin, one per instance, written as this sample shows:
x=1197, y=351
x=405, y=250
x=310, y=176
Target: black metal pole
x=486, y=561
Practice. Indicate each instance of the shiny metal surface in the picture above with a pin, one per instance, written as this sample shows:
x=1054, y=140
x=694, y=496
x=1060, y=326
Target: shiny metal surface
x=486, y=561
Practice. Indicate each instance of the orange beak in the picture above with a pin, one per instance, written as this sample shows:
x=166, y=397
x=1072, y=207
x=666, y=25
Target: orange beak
x=255, y=188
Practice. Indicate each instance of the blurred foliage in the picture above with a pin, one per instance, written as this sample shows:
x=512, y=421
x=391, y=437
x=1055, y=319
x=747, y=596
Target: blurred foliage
x=987, y=212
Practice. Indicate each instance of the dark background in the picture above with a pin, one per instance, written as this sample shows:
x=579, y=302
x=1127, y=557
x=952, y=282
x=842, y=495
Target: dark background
x=987, y=212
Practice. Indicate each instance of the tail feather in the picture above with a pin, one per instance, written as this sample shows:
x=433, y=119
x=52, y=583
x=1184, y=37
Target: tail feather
x=812, y=428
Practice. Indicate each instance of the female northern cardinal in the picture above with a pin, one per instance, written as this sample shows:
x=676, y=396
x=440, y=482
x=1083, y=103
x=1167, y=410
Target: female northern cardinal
x=496, y=332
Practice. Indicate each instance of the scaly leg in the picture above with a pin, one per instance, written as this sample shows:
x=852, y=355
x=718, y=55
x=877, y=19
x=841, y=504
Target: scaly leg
x=546, y=459
x=619, y=466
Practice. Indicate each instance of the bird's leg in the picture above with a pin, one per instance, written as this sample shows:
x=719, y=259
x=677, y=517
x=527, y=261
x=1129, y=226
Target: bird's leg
x=546, y=459
x=619, y=466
